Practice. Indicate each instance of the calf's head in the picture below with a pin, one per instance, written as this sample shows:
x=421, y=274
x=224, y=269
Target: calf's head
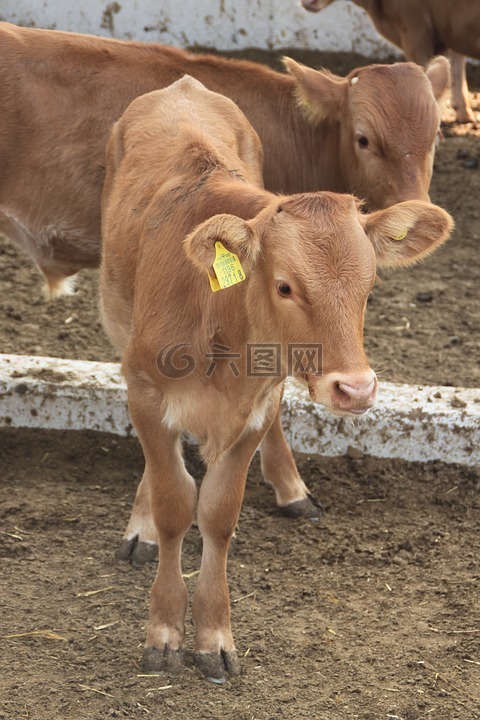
x=311, y=263
x=385, y=119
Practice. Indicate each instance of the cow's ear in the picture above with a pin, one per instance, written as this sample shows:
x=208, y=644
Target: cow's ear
x=438, y=72
x=234, y=233
x=319, y=93
x=406, y=232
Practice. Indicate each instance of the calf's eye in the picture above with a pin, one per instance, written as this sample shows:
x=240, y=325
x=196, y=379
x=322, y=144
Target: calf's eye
x=362, y=141
x=284, y=289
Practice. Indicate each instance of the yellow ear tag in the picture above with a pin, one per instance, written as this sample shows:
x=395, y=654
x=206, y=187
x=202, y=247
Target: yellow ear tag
x=402, y=236
x=227, y=267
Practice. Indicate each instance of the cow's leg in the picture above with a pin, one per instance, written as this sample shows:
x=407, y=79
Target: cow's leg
x=173, y=499
x=219, y=504
x=421, y=48
x=279, y=471
x=140, y=541
x=460, y=97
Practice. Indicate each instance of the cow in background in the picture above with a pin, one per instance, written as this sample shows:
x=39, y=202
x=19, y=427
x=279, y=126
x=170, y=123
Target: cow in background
x=371, y=133
x=425, y=28
x=197, y=254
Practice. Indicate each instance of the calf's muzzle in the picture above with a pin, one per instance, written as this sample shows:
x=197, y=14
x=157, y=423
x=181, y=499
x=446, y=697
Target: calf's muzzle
x=346, y=393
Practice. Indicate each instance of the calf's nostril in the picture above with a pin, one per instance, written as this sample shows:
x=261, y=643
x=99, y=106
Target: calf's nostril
x=354, y=396
x=338, y=387
x=356, y=391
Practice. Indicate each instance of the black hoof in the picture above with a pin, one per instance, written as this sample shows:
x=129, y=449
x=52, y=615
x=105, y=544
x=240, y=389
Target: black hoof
x=306, y=508
x=136, y=552
x=216, y=666
x=156, y=661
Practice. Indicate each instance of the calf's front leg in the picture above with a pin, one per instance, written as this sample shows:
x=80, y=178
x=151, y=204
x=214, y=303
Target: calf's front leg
x=173, y=497
x=140, y=541
x=219, y=504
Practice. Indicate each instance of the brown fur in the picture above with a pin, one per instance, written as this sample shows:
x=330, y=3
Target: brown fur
x=62, y=92
x=170, y=193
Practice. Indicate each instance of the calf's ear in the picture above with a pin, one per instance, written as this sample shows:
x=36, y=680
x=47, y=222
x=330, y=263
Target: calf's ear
x=438, y=72
x=319, y=93
x=406, y=232
x=233, y=232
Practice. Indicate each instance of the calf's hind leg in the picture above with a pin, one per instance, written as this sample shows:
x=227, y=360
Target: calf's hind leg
x=140, y=542
x=280, y=471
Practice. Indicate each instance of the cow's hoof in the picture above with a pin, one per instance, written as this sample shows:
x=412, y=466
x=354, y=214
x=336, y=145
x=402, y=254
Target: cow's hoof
x=216, y=666
x=305, y=508
x=466, y=117
x=137, y=552
x=166, y=660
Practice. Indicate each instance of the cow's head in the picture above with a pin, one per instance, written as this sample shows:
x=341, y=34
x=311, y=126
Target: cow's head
x=311, y=263
x=387, y=118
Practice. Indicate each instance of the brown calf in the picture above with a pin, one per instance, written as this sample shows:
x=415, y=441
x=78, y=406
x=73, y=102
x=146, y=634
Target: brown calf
x=183, y=175
x=424, y=28
x=60, y=93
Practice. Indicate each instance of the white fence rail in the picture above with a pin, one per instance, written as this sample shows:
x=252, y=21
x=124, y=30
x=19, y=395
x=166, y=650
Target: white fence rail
x=409, y=422
x=221, y=24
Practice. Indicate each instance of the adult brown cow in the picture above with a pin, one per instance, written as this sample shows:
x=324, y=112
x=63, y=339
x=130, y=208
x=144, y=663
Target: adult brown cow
x=197, y=254
x=61, y=92
x=424, y=28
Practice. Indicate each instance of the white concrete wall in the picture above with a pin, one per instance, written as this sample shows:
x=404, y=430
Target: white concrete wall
x=409, y=422
x=221, y=24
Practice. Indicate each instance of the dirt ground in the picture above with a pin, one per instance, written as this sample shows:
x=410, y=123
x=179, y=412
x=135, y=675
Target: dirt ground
x=370, y=613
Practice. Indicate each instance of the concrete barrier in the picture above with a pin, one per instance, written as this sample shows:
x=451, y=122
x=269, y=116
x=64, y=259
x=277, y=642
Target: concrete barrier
x=224, y=25
x=411, y=422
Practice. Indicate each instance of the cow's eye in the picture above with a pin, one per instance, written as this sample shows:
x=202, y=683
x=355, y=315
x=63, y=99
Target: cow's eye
x=284, y=289
x=362, y=141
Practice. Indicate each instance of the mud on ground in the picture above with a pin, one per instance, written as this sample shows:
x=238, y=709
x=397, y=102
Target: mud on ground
x=370, y=613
